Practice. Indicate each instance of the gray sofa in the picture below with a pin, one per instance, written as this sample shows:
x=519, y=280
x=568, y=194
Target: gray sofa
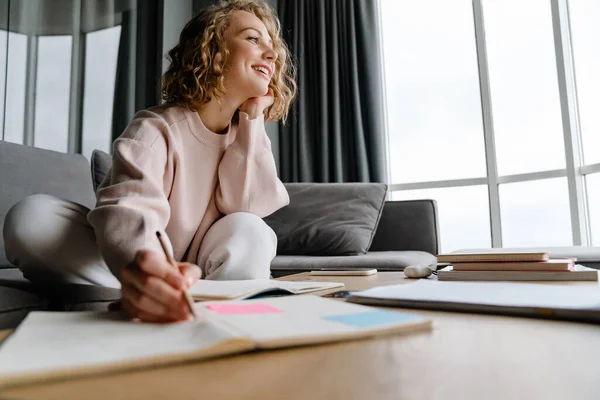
x=406, y=232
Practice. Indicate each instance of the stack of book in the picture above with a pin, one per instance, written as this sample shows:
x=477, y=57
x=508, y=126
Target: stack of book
x=513, y=266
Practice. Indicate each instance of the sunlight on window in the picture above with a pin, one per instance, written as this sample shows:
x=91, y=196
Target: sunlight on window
x=593, y=192
x=585, y=32
x=52, y=93
x=14, y=117
x=434, y=114
x=463, y=212
x=524, y=86
x=3, y=51
x=99, y=89
x=535, y=213
x=432, y=88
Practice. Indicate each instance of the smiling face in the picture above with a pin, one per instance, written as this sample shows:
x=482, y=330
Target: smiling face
x=225, y=53
x=251, y=61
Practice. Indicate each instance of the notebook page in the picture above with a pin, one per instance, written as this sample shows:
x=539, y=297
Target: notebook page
x=486, y=293
x=51, y=341
x=242, y=288
x=297, y=320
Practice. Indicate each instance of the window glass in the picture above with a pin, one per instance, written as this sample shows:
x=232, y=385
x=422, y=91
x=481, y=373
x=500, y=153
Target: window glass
x=99, y=89
x=524, y=86
x=585, y=37
x=432, y=90
x=16, y=71
x=53, y=82
x=535, y=213
x=593, y=192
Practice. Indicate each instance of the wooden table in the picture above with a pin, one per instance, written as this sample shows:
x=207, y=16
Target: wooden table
x=465, y=356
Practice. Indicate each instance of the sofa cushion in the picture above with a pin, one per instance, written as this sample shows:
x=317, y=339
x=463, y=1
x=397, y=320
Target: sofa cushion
x=381, y=260
x=15, y=304
x=328, y=219
x=28, y=170
x=101, y=163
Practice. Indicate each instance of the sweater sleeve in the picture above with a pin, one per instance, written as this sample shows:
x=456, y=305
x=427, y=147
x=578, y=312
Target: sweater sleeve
x=248, y=179
x=131, y=204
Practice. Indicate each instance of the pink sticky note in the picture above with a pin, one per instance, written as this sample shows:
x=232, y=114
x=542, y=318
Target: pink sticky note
x=229, y=309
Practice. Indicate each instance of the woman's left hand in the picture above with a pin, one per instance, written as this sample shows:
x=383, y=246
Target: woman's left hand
x=255, y=106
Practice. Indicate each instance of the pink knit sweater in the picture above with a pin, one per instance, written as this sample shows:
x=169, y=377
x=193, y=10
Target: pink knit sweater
x=170, y=172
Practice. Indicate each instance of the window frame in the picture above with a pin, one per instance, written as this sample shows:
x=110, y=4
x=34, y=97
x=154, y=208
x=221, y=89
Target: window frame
x=574, y=171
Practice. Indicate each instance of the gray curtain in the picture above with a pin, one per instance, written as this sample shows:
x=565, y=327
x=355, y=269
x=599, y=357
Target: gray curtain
x=139, y=63
x=335, y=132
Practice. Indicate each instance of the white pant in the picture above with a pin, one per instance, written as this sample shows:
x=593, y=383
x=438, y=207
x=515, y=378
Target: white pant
x=50, y=240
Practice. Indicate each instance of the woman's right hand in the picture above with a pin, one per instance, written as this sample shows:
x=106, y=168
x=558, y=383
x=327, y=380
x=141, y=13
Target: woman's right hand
x=153, y=291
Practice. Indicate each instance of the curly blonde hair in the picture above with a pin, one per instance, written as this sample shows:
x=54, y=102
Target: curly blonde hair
x=200, y=58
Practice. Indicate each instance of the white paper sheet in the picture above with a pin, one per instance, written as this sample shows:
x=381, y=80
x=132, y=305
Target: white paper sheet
x=496, y=294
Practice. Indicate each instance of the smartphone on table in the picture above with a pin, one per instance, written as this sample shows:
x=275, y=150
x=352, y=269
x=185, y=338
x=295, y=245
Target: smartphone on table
x=344, y=272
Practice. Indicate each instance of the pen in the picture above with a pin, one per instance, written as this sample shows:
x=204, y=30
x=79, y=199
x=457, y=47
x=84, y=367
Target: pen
x=165, y=243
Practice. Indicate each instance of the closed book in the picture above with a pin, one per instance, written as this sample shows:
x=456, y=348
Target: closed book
x=551, y=265
x=578, y=273
x=497, y=255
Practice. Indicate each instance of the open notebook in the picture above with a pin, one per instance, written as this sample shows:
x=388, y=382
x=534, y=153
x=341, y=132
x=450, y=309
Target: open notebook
x=245, y=289
x=51, y=345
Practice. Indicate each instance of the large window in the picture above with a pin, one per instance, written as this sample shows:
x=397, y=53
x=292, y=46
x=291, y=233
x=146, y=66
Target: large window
x=13, y=58
x=58, y=70
x=524, y=86
x=535, y=213
x=99, y=89
x=585, y=30
x=432, y=86
x=51, y=127
x=593, y=193
x=492, y=111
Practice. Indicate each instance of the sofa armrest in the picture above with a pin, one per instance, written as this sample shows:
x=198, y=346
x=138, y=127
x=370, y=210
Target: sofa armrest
x=408, y=225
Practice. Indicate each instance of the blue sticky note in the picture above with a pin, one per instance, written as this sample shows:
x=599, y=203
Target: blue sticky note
x=371, y=319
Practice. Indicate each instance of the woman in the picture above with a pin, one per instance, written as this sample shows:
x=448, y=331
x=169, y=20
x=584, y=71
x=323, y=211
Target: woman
x=199, y=167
